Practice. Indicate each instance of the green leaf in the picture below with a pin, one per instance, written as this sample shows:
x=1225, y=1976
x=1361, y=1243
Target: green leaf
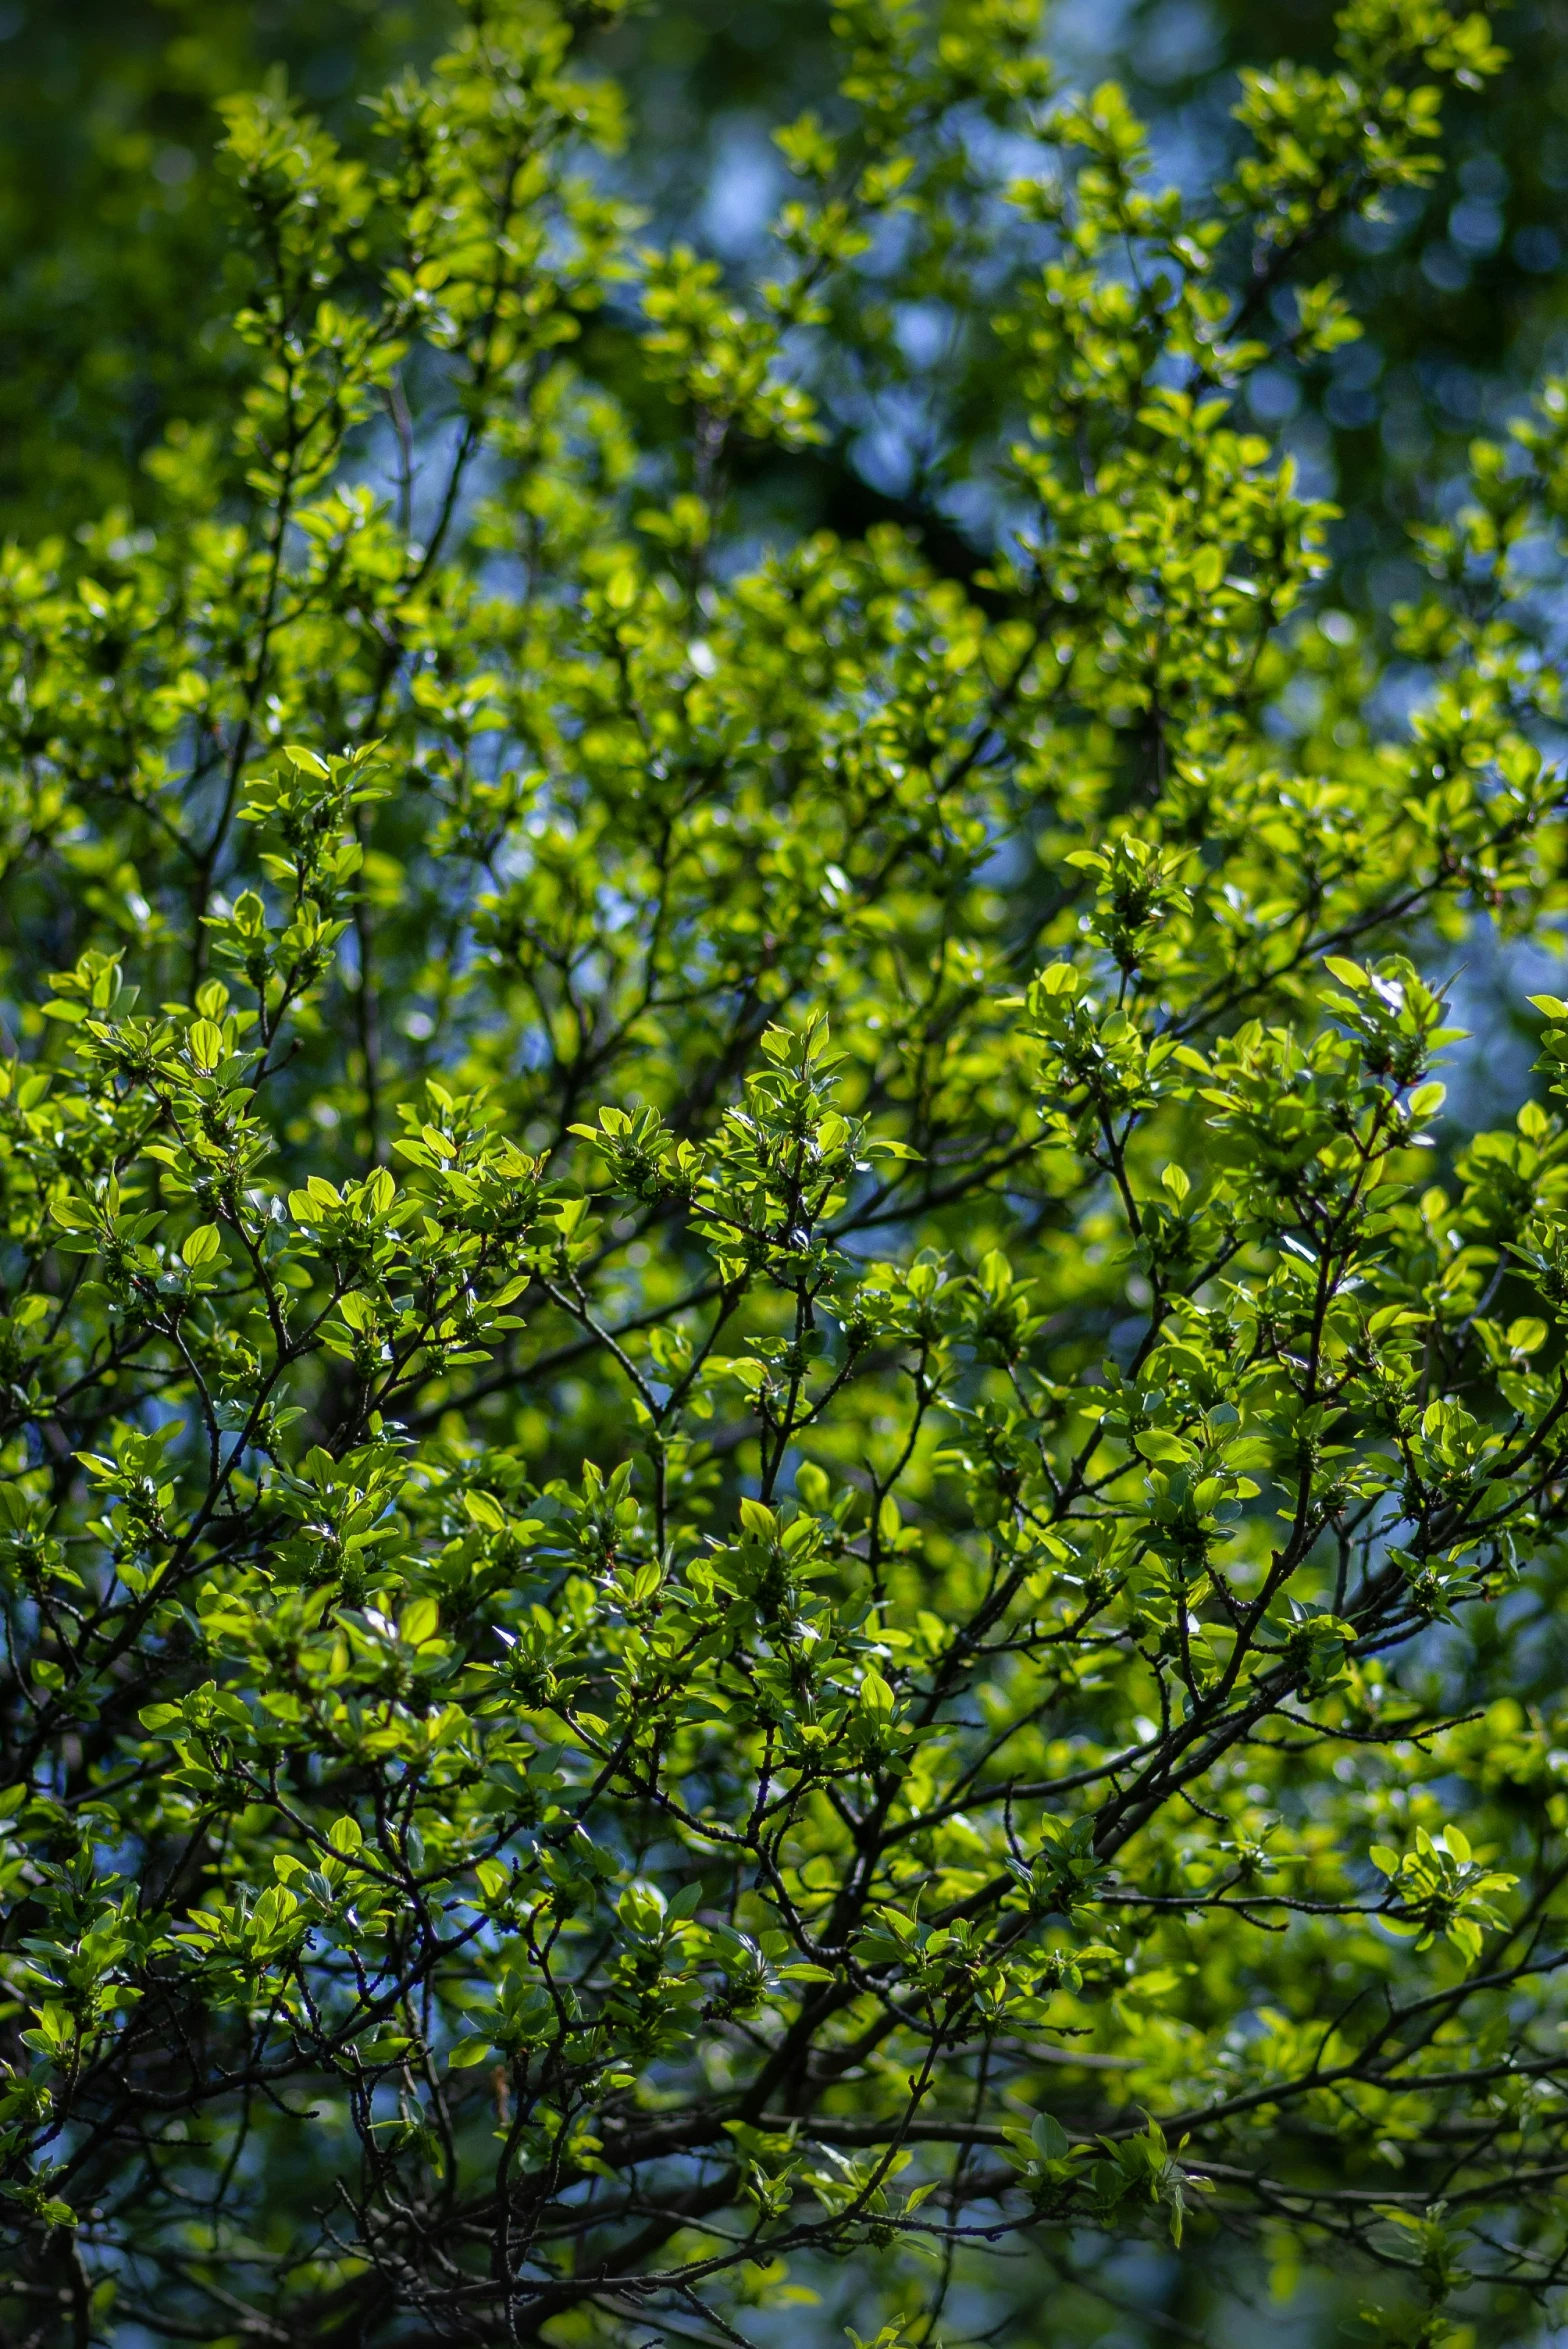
x=463, y=2056
x=1048, y=2137
x=205, y=1043
x=875, y=1695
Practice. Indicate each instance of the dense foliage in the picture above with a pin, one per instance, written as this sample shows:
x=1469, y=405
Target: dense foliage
x=774, y=1498
x=114, y=316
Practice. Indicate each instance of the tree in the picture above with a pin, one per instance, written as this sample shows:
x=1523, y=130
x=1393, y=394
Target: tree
x=775, y=1498
x=113, y=314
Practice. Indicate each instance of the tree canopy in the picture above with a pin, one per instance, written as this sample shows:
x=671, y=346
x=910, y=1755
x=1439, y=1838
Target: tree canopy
x=114, y=313
x=780, y=1506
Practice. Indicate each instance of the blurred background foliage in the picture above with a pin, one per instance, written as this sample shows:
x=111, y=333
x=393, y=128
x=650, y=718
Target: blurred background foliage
x=112, y=241
x=113, y=230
